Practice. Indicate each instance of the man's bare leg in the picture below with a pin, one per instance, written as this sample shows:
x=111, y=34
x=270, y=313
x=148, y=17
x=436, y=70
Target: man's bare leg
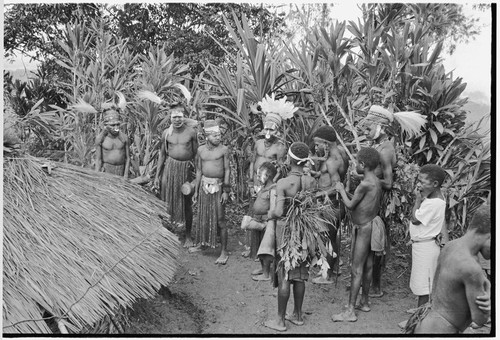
x=224, y=255
x=422, y=300
x=361, y=251
x=283, y=296
x=299, y=290
x=188, y=212
x=265, y=261
x=375, y=290
x=364, y=304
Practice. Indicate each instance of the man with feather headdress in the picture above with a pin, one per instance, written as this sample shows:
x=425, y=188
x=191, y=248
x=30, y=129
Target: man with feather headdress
x=375, y=127
x=112, y=146
x=269, y=149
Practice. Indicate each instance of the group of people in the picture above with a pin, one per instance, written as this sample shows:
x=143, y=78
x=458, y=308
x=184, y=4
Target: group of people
x=273, y=188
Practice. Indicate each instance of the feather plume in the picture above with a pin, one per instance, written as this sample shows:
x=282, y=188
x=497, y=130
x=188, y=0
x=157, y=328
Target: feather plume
x=107, y=106
x=145, y=94
x=122, y=102
x=410, y=121
x=184, y=91
x=282, y=107
x=83, y=106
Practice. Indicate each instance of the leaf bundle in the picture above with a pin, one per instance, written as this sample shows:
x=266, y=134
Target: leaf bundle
x=305, y=237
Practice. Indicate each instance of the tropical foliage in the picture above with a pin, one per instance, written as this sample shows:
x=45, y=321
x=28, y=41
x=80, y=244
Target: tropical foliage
x=390, y=57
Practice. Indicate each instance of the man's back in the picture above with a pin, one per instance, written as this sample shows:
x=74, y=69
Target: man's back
x=457, y=282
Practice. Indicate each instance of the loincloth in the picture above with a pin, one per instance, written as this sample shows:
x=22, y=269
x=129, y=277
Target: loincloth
x=378, y=236
x=209, y=205
x=175, y=174
x=424, y=258
x=114, y=169
x=426, y=315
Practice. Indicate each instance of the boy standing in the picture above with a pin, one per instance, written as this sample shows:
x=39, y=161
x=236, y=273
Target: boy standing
x=427, y=221
x=365, y=205
x=112, y=147
x=212, y=190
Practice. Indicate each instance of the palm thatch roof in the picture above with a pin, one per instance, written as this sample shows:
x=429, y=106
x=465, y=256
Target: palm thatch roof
x=78, y=244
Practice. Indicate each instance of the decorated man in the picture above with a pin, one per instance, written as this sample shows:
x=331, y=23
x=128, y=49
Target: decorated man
x=375, y=126
x=112, y=146
x=178, y=148
x=269, y=149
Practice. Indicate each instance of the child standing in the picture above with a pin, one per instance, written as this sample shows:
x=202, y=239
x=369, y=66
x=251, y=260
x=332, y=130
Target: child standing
x=427, y=222
x=262, y=204
x=212, y=190
x=365, y=205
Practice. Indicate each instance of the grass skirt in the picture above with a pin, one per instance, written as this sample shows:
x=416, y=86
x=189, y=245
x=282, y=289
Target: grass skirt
x=416, y=317
x=114, y=169
x=208, y=215
x=175, y=173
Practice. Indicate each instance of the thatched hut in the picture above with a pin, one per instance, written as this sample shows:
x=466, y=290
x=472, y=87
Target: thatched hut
x=77, y=245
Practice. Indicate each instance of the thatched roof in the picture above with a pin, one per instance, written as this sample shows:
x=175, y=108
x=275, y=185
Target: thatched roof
x=78, y=244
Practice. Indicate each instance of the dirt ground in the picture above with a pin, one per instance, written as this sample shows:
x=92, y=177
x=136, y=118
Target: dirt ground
x=205, y=298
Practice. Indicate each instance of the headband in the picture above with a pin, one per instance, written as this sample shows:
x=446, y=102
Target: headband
x=212, y=129
x=300, y=160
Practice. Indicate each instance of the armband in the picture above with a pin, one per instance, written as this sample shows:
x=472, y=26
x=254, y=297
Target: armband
x=226, y=188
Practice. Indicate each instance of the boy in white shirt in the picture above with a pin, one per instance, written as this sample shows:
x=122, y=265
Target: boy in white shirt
x=427, y=222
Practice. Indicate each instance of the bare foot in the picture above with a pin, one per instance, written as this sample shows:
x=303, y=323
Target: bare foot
x=363, y=308
x=246, y=253
x=222, y=258
x=261, y=278
x=188, y=243
x=257, y=271
x=294, y=319
x=194, y=249
x=322, y=281
x=347, y=316
x=376, y=294
x=276, y=325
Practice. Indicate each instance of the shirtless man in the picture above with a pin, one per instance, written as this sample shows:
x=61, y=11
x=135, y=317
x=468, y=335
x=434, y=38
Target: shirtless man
x=112, y=147
x=365, y=205
x=373, y=127
x=178, y=148
x=212, y=190
x=268, y=149
x=286, y=189
x=460, y=285
x=331, y=171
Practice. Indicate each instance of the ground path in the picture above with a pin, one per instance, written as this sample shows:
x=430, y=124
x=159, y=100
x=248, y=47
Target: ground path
x=205, y=298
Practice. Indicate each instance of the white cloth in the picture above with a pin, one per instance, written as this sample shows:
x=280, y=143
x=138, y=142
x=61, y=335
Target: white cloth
x=425, y=252
x=424, y=258
x=431, y=215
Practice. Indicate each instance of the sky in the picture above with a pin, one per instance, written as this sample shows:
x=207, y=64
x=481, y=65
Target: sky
x=471, y=61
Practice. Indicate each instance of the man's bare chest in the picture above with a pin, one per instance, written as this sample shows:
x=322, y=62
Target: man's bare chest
x=110, y=143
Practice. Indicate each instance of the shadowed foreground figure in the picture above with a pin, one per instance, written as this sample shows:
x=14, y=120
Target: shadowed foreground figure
x=461, y=290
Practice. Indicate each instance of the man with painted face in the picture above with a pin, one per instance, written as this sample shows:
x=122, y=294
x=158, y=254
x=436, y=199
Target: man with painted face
x=269, y=149
x=177, y=152
x=461, y=292
x=374, y=128
x=332, y=170
x=112, y=147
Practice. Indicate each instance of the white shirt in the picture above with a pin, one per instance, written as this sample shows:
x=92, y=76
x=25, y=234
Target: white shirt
x=431, y=214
